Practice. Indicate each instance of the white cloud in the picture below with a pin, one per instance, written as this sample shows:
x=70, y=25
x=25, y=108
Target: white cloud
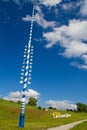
x=42, y=22
x=72, y=37
x=78, y=29
x=32, y=93
x=84, y=7
x=80, y=66
x=71, y=5
x=75, y=31
x=17, y=96
x=74, y=49
x=61, y=105
x=68, y=6
x=50, y=2
x=39, y=18
x=84, y=57
x=27, y=18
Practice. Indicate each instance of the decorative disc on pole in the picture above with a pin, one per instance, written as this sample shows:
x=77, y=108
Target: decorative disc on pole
x=26, y=70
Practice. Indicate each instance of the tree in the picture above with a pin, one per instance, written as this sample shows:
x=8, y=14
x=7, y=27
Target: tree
x=52, y=108
x=39, y=107
x=81, y=107
x=32, y=101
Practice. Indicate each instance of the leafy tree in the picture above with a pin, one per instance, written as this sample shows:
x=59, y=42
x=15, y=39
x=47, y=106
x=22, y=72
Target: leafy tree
x=39, y=107
x=81, y=107
x=50, y=107
x=32, y=101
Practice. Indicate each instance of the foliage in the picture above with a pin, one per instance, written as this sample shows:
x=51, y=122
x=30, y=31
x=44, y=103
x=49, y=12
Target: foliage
x=32, y=101
x=52, y=108
x=39, y=107
x=81, y=107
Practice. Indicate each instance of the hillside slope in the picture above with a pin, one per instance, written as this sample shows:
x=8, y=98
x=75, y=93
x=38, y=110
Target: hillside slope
x=34, y=119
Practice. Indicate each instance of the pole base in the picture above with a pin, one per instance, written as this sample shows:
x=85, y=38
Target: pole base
x=21, y=120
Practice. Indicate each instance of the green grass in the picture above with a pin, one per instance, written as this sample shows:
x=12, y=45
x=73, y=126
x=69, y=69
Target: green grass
x=34, y=119
x=82, y=126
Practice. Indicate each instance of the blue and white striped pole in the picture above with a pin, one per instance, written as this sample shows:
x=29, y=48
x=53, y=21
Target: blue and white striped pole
x=26, y=72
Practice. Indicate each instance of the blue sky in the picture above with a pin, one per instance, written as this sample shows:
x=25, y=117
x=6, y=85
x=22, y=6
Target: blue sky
x=59, y=76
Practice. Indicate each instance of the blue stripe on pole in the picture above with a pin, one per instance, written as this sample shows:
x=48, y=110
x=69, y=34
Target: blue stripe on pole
x=26, y=74
x=26, y=70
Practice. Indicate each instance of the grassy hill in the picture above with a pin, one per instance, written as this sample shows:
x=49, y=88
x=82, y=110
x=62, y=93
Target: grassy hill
x=34, y=119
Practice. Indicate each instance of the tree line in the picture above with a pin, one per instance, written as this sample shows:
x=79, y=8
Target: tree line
x=80, y=106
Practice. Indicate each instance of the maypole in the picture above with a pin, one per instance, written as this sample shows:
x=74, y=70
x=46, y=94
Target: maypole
x=26, y=71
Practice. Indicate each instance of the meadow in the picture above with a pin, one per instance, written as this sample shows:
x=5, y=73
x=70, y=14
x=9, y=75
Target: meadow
x=34, y=119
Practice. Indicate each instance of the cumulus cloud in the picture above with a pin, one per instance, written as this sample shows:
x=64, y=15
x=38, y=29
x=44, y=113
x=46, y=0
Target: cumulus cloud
x=17, y=96
x=75, y=31
x=72, y=38
x=50, y=2
x=61, y=105
x=74, y=49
